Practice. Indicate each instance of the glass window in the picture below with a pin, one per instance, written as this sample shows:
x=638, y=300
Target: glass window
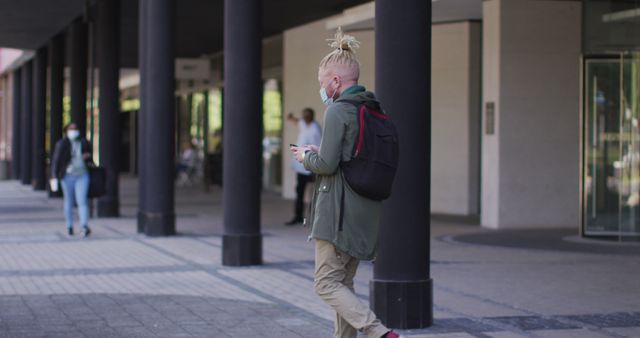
x=611, y=182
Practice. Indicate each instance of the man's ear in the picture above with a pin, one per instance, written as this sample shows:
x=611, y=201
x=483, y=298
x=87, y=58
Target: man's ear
x=336, y=82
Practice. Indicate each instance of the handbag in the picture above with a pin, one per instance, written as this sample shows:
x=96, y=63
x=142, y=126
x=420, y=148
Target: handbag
x=97, y=180
x=55, y=188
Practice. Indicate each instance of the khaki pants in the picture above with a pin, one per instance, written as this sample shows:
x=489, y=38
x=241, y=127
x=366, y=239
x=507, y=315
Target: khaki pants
x=334, y=284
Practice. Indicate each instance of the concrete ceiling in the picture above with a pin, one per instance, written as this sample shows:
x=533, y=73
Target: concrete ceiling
x=30, y=24
x=27, y=24
x=363, y=17
x=456, y=10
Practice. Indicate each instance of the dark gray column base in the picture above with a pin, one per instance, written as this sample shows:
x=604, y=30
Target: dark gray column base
x=108, y=207
x=403, y=304
x=141, y=222
x=242, y=250
x=159, y=224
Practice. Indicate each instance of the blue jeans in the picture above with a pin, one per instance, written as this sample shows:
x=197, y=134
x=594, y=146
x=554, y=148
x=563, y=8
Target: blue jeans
x=78, y=187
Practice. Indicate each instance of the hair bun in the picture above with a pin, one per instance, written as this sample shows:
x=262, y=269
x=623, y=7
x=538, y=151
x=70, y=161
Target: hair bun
x=344, y=42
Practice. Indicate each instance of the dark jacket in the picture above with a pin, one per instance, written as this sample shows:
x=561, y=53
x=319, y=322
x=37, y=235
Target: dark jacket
x=62, y=156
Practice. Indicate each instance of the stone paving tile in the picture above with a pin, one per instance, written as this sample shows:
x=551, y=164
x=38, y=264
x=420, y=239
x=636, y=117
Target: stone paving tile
x=535, y=323
x=66, y=255
x=134, y=332
x=23, y=333
x=168, y=283
x=196, y=316
x=202, y=330
x=121, y=284
x=443, y=335
x=285, y=286
x=610, y=320
x=188, y=248
x=626, y=331
x=576, y=333
x=105, y=332
x=460, y=325
x=504, y=334
x=468, y=306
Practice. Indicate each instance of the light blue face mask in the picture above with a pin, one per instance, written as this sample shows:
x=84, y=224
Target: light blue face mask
x=73, y=134
x=325, y=98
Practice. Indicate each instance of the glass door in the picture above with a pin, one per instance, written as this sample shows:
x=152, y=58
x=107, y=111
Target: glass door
x=611, y=181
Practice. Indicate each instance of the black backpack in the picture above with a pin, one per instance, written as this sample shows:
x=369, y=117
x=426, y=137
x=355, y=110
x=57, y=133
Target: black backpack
x=374, y=160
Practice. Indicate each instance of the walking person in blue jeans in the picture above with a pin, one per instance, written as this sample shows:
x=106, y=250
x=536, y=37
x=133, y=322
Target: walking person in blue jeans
x=69, y=167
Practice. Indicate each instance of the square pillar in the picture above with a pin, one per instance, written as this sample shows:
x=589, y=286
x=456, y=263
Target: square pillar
x=531, y=114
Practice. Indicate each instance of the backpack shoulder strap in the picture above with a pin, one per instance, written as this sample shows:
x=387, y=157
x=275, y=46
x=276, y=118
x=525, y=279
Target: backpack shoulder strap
x=356, y=103
x=373, y=105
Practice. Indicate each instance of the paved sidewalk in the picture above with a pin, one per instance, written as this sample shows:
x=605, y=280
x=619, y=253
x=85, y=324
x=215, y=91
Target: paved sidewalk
x=121, y=284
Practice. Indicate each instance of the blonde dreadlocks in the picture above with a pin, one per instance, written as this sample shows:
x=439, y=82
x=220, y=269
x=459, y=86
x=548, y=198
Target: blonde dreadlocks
x=343, y=57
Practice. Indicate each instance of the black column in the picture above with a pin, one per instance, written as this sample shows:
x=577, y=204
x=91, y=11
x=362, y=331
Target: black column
x=108, y=26
x=159, y=139
x=39, y=119
x=26, y=123
x=141, y=120
x=79, y=41
x=401, y=289
x=17, y=125
x=242, y=240
x=56, y=51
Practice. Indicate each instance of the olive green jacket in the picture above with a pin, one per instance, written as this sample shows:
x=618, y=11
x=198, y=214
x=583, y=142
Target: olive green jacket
x=359, y=234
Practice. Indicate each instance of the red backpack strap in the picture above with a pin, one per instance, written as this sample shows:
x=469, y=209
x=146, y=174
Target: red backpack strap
x=361, y=111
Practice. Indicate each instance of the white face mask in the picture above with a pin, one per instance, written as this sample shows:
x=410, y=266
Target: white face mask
x=325, y=98
x=73, y=134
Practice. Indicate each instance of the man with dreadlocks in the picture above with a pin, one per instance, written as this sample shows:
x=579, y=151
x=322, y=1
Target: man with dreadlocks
x=344, y=235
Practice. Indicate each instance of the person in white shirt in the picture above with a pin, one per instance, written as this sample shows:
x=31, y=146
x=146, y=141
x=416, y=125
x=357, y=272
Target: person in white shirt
x=309, y=133
x=186, y=165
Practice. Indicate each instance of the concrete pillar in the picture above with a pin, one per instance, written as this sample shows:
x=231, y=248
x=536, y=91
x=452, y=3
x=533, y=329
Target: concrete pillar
x=17, y=125
x=26, y=133
x=455, y=148
x=5, y=126
x=242, y=240
x=39, y=119
x=108, y=25
x=401, y=289
x=79, y=40
x=159, y=138
x=56, y=51
x=141, y=162
x=531, y=113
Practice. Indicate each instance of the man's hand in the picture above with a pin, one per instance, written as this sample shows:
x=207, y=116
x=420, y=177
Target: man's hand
x=298, y=153
x=312, y=147
x=292, y=118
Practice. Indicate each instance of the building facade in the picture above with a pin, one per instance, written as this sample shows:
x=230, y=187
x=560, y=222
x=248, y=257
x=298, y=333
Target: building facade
x=534, y=109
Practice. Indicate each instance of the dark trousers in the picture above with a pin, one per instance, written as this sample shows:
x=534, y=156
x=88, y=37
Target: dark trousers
x=300, y=187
